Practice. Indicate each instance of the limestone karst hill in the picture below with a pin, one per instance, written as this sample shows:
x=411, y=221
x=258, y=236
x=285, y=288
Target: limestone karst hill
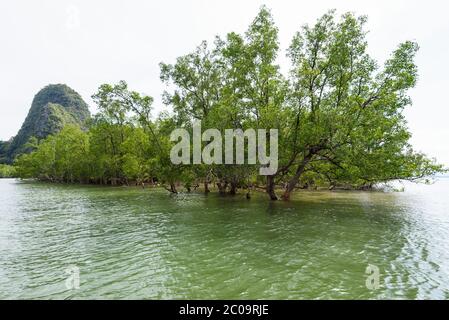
x=52, y=108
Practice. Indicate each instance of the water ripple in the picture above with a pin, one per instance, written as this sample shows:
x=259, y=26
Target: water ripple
x=134, y=243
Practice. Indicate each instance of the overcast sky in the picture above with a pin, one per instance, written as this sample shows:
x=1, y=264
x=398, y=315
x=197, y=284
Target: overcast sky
x=87, y=43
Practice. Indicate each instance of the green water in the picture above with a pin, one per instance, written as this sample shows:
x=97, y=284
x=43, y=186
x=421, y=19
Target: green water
x=134, y=243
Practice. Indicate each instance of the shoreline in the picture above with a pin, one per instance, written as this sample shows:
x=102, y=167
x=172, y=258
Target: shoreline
x=215, y=190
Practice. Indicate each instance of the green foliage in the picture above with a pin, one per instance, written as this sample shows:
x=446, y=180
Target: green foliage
x=61, y=157
x=7, y=171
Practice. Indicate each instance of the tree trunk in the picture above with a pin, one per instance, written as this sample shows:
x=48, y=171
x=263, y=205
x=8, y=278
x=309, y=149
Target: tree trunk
x=222, y=187
x=294, y=180
x=233, y=190
x=270, y=188
x=206, y=187
x=173, y=188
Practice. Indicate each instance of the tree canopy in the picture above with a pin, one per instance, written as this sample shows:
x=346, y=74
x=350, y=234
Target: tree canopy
x=339, y=114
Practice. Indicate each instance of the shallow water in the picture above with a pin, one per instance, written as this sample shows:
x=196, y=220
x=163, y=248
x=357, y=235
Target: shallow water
x=134, y=243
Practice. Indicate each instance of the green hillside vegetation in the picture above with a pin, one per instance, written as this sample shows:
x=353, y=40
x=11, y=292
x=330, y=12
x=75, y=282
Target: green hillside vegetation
x=52, y=108
x=338, y=112
x=4, y=146
x=53, y=118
